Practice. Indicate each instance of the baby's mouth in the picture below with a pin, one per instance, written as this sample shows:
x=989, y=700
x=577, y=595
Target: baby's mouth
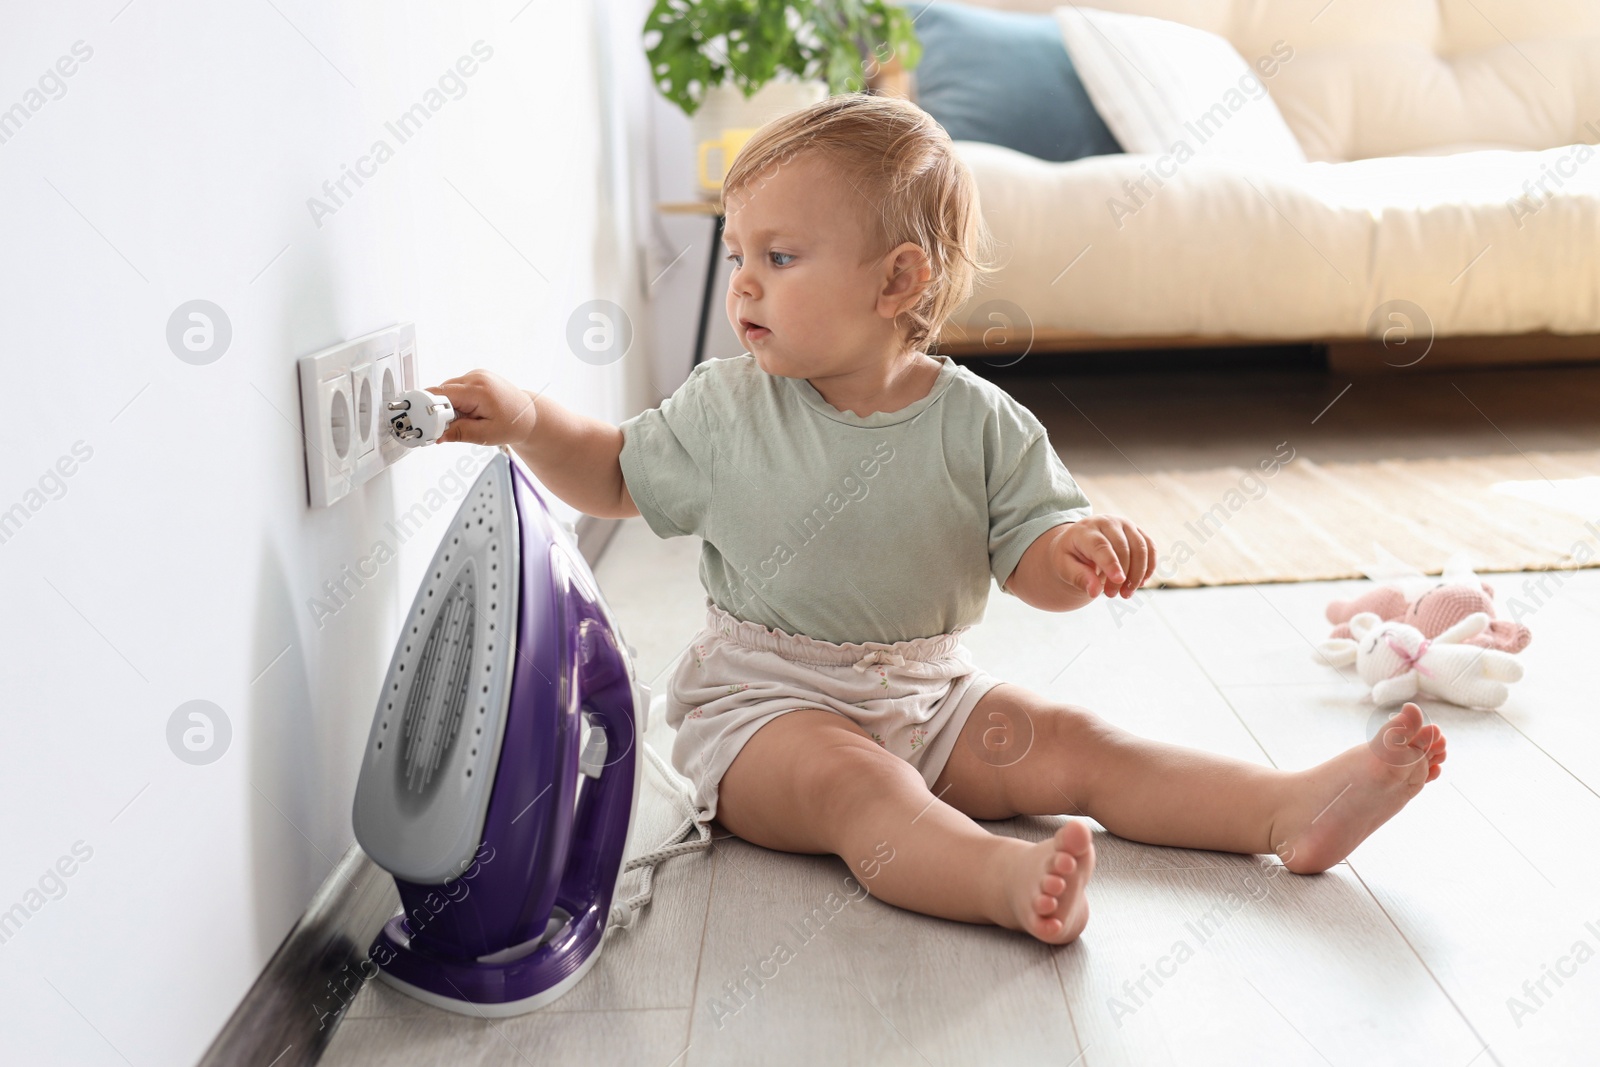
x=754, y=331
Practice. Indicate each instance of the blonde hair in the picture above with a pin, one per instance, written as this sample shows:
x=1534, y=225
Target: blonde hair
x=904, y=166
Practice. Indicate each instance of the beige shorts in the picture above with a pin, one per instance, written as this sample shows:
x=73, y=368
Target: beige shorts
x=911, y=697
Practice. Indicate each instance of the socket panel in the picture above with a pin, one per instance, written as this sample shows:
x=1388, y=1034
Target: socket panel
x=344, y=395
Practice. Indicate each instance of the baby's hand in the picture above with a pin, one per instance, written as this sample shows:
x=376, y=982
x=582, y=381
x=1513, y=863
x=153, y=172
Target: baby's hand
x=1105, y=554
x=489, y=409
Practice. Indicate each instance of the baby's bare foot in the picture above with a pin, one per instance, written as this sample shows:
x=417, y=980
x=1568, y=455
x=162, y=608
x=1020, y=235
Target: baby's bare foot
x=1337, y=804
x=1046, y=885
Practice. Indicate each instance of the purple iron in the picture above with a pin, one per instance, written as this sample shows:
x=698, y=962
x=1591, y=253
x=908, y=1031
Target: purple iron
x=501, y=776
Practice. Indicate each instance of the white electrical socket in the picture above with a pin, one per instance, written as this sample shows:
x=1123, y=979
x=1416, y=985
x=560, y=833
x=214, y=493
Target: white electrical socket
x=391, y=382
x=344, y=394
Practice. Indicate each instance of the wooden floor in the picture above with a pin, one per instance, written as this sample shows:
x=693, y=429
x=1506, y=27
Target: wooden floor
x=1192, y=415
x=1464, y=932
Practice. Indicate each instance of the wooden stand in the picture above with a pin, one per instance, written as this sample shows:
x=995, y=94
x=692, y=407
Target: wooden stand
x=713, y=208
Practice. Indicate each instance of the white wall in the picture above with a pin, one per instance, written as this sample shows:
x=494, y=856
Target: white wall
x=679, y=246
x=176, y=562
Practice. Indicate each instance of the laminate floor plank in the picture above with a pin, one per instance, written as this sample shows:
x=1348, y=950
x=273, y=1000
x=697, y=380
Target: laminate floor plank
x=1228, y=966
x=1555, y=705
x=801, y=967
x=645, y=1036
x=1488, y=874
x=653, y=588
x=1257, y=634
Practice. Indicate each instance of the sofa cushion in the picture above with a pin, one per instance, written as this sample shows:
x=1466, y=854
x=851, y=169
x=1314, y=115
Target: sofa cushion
x=1487, y=242
x=1004, y=78
x=1164, y=87
x=1375, y=77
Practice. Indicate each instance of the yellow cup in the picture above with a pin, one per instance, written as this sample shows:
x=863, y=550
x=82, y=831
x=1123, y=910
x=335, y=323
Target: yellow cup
x=728, y=145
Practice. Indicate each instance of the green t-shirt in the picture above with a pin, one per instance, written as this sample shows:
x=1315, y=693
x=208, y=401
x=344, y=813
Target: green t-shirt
x=841, y=527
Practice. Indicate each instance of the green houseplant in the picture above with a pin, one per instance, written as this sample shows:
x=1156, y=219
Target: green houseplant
x=695, y=46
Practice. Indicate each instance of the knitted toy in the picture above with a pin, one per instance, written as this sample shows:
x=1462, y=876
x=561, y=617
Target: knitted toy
x=1433, y=611
x=1399, y=663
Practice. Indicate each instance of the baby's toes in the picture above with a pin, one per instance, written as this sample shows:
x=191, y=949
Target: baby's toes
x=1406, y=723
x=1073, y=838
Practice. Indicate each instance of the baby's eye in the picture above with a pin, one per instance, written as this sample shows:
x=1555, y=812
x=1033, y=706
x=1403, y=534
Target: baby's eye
x=736, y=259
x=776, y=256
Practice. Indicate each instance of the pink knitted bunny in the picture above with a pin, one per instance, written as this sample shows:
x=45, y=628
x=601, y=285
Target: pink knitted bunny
x=1433, y=612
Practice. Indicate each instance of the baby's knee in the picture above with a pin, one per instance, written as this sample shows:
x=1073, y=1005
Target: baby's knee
x=1076, y=728
x=843, y=773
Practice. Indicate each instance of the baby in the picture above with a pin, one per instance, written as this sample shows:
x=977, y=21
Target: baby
x=855, y=495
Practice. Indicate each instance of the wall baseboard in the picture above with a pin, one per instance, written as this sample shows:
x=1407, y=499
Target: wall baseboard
x=291, y=1012
x=296, y=1004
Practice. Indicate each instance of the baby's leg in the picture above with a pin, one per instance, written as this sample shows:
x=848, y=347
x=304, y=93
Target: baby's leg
x=1020, y=754
x=812, y=781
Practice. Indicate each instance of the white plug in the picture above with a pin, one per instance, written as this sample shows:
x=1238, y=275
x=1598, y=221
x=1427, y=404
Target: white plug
x=417, y=417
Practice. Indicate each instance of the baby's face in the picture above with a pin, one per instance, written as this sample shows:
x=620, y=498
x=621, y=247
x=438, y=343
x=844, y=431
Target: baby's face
x=801, y=300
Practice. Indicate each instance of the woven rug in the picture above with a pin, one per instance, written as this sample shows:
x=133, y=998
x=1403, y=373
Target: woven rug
x=1307, y=521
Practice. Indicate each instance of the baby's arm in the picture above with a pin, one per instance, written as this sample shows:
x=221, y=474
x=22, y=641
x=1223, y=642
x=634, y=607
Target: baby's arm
x=1069, y=565
x=574, y=456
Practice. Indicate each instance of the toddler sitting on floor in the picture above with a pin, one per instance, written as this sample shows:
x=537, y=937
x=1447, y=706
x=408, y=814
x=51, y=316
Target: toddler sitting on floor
x=855, y=495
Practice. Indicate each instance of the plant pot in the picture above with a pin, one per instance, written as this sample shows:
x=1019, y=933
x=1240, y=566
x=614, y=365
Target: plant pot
x=725, y=120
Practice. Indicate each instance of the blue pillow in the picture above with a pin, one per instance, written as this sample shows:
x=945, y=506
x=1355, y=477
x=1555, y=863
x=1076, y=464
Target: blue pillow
x=1005, y=78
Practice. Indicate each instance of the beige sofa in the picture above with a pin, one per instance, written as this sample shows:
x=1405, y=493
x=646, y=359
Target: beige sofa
x=1451, y=192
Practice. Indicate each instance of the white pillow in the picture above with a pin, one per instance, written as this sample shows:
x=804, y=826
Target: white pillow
x=1160, y=84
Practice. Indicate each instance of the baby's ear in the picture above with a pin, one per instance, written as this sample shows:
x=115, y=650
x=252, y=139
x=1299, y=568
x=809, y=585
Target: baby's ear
x=907, y=274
